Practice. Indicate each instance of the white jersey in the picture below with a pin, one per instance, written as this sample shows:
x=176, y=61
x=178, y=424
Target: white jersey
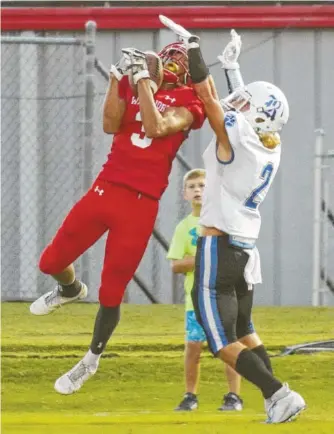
x=234, y=190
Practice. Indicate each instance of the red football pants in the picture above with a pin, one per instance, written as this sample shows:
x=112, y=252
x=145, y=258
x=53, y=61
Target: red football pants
x=128, y=216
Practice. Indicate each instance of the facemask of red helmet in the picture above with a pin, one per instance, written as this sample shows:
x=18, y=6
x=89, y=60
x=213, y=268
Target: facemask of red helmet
x=175, y=59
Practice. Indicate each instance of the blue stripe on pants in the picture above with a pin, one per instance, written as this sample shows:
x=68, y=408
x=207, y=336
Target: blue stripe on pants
x=213, y=291
x=201, y=300
x=251, y=327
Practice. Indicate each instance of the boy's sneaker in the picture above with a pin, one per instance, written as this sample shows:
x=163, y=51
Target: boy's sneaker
x=284, y=405
x=231, y=402
x=188, y=403
x=53, y=300
x=73, y=380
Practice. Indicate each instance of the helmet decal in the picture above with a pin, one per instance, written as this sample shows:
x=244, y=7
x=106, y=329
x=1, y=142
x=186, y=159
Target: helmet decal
x=272, y=105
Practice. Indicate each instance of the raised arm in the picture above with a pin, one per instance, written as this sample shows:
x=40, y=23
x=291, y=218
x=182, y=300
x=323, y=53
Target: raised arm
x=113, y=108
x=206, y=91
x=229, y=61
x=114, y=104
x=155, y=124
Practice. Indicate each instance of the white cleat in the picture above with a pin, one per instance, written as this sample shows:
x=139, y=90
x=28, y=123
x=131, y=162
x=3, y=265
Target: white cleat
x=53, y=300
x=73, y=380
x=284, y=405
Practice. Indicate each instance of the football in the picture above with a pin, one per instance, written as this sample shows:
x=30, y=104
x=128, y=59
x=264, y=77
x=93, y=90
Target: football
x=155, y=68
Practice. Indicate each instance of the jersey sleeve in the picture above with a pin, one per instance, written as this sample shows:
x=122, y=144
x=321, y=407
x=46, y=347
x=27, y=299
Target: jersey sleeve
x=177, y=249
x=235, y=126
x=196, y=108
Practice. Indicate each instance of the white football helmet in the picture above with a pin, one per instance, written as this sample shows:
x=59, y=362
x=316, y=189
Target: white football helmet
x=263, y=105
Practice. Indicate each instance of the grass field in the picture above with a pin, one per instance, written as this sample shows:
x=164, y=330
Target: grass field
x=140, y=379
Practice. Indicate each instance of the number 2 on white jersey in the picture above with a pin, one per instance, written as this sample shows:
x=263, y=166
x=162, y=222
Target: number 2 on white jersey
x=136, y=140
x=253, y=201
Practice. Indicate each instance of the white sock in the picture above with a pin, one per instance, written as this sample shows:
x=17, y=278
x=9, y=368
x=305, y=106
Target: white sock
x=91, y=358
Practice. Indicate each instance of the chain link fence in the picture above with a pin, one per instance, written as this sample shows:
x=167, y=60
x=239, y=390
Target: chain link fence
x=53, y=146
x=44, y=102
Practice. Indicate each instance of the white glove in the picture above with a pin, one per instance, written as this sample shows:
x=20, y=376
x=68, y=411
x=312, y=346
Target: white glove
x=137, y=63
x=230, y=55
x=121, y=67
x=192, y=41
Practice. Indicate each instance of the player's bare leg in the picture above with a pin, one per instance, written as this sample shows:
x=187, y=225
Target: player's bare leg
x=254, y=343
x=67, y=276
x=68, y=290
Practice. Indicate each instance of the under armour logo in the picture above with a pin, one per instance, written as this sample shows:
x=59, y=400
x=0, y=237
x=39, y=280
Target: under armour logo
x=100, y=345
x=168, y=98
x=97, y=190
x=194, y=234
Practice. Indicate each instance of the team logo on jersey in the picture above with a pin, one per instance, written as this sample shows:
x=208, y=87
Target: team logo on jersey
x=167, y=97
x=230, y=119
x=98, y=190
x=271, y=107
x=194, y=235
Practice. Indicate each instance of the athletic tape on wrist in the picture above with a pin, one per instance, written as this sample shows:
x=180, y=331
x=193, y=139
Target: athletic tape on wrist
x=234, y=78
x=141, y=74
x=117, y=74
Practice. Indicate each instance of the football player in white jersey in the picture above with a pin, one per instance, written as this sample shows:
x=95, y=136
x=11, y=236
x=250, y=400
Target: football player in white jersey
x=241, y=162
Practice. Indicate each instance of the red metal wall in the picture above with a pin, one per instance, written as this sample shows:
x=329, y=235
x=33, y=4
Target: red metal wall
x=211, y=17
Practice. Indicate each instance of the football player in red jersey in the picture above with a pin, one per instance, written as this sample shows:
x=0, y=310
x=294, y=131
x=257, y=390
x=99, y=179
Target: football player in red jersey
x=148, y=131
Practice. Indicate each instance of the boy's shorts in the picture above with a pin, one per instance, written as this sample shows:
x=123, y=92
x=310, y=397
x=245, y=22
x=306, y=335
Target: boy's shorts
x=194, y=331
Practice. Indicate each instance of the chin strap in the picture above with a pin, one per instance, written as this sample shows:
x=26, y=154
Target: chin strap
x=170, y=77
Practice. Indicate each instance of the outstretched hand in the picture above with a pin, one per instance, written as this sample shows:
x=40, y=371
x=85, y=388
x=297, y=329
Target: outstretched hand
x=230, y=55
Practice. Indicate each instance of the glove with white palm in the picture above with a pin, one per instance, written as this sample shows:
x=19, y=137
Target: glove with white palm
x=230, y=55
x=137, y=63
x=121, y=68
x=229, y=61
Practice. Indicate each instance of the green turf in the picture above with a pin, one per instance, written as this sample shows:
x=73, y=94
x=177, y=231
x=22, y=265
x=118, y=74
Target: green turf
x=140, y=379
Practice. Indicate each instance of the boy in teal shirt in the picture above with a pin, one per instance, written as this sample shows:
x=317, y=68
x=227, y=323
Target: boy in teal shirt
x=182, y=254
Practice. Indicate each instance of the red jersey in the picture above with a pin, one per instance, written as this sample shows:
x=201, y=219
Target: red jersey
x=138, y=162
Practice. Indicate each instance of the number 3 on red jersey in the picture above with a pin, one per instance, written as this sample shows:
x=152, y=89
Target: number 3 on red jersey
x=140, y=140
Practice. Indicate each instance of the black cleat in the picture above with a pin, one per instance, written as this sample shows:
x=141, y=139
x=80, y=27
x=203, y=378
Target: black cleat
x=188, y=403
x=231, y=402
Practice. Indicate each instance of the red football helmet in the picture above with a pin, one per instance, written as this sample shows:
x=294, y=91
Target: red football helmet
x=173, y=57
